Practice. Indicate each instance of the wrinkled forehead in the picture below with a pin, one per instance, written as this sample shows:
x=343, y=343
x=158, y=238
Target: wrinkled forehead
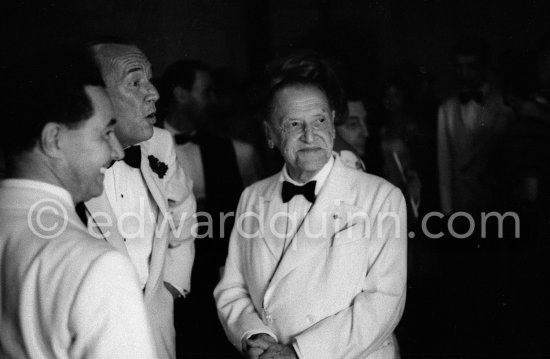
x=302, y=97
x=297, y=101
x=117, y=61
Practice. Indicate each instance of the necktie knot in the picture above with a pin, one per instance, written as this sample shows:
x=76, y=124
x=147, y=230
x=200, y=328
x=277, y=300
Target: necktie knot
x=132, y=156
x=290, y=190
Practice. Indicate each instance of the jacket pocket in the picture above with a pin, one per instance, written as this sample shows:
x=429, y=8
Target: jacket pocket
x=348, y=235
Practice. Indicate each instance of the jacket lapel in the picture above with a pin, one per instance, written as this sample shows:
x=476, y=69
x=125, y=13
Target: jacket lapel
x=100, y=207
x=160, y=239
x=329, y=214
x=152, y=181
x=270, y=203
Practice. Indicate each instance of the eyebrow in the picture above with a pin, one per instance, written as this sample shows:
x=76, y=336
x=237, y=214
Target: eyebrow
x=134, y=69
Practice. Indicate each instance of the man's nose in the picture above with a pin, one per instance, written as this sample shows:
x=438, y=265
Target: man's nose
x=152, y=93
x=308, y=133
x=364, y=131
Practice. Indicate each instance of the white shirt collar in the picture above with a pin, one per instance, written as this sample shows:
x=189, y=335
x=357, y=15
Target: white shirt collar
x=320, y=177
x=39, y=186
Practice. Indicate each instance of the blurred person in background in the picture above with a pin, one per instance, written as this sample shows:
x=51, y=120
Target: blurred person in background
x=470, y=125
x=220, y=168
x=353, y=130
x=400, y=136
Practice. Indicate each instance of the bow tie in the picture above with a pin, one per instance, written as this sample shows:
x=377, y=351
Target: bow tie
x=290, y=190
x=182, y=138
x=82, y=212
x=466, y=97
x=132, y=156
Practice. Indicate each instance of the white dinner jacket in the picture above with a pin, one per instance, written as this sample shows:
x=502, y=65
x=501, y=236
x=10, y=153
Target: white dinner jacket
x=64, y=295
x=339, y=290
x=173, y=249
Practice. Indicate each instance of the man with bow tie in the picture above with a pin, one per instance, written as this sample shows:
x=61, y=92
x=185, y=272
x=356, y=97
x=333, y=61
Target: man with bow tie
x=147, y=209
x=317, y=258
x=469, y=126
x=63, y=293
x=220, y=167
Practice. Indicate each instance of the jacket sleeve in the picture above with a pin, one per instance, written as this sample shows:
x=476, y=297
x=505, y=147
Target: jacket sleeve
x=181, y=236
x=367, y=325
x=236, y=311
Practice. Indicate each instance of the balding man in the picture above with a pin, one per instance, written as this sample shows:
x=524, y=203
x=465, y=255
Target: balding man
x=148, y=200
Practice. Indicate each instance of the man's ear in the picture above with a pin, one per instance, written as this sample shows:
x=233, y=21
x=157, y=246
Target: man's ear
x=333, y=116
x=268, y=135
x=50, y=139
x=181, y=95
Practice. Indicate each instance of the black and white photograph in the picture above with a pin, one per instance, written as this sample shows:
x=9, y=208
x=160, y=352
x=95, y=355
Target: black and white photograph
x=260, y=179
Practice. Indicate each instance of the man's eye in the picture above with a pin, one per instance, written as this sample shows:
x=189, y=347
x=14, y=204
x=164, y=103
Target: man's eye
x=134, y=83
x=319, y=122
x=294, y=123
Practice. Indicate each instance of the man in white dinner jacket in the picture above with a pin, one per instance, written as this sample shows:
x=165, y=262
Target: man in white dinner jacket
x=317, y=258
x=63, y=293
x=147, y=210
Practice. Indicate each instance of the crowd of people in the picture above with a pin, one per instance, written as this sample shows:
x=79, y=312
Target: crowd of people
x=133, y=225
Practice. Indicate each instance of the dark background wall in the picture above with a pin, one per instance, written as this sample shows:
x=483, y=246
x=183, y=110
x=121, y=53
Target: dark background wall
x=241, y=35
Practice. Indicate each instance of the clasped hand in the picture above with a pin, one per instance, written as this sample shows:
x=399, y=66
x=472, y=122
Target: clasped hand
x=263, y=346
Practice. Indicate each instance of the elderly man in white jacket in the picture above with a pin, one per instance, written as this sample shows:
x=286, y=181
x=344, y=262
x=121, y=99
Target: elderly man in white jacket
x=317, y=259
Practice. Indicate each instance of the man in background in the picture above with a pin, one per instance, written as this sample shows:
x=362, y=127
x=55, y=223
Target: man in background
x=470, y=124
x=220, y=168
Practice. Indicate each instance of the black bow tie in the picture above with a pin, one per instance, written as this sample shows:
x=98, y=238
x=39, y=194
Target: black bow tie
x=82, y=212
x=182, y=138
x=132, y=156
x=290, y=190
x=466, y=97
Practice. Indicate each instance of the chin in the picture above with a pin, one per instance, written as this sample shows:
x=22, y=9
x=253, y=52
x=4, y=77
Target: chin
x=149, y=131
x=145, y=134
x=96, y=190
x=319, y=156
x=312, y=165
x=359, y=150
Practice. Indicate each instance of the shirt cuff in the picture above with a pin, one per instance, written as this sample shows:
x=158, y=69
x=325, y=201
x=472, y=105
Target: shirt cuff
x=175, y=290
